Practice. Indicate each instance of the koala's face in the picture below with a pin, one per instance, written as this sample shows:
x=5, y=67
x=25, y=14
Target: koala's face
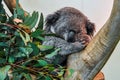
x=67, y=23
x=60, y=25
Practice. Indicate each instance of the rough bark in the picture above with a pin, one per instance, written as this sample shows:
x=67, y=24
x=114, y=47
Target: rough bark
x=90, y=61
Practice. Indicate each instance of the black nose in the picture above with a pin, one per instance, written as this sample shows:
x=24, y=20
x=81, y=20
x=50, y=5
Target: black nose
x=71, y=36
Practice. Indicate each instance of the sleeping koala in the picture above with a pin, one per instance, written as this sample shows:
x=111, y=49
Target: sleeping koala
x=74, y=30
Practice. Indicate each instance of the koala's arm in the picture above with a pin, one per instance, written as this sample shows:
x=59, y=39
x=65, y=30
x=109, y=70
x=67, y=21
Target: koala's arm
x=66, y=48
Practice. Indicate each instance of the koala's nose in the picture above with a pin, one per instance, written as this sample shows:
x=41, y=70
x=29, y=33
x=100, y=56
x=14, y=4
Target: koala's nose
x=71, y=36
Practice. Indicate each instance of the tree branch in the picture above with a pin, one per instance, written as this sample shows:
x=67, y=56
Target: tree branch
x=11, y=4
x=91, y=60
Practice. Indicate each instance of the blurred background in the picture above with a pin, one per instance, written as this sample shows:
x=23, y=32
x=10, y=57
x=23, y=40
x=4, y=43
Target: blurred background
x=98, y=11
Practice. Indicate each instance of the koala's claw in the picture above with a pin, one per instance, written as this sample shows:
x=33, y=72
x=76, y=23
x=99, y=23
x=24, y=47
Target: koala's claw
x=84, y=39
x=84, y=42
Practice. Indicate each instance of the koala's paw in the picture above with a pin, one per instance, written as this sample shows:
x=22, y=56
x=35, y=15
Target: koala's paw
x=84, y=40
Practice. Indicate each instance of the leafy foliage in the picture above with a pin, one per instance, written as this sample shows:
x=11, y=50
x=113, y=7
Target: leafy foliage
x=3, y=72
x=21, y=49
x=2, y=13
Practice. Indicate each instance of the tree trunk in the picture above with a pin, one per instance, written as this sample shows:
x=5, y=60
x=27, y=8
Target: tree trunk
x=90, y=61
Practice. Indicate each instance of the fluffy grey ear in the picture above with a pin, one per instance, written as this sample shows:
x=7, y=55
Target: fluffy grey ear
x=90, y=28
x=51, y=19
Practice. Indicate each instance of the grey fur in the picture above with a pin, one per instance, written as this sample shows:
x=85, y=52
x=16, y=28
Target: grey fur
x=74, y=31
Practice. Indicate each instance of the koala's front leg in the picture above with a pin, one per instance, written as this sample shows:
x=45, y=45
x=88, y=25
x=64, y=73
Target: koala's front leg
x=84, y=39
x=66, y=48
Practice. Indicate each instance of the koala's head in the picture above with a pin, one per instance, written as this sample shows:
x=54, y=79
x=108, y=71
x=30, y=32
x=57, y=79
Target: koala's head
x=67, y=23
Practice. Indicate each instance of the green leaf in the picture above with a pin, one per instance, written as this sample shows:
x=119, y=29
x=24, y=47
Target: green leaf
x=27, y=62
x=3, y=44
x=31, y=20
x=14, y=14
x=48, y=78
x=16, y=76
x=23, y=52
x=3, y=72
x=2, y=53
x=2, y=35
x=41, y=22
x=2, y=60
x=11, y=59
x=40, y=38
x=44, y=48
x=35, y=48
x=61, y=73
x=37, y=33
x=53, y=53
x=26, y=50
x=27, y=76
x=20, y=11
x=27, y=19
x=3, y=16
x=41, y=63
x=25, y=37
x=35, y=20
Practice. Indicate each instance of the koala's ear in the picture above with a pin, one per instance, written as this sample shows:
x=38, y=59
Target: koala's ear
x=90, y=28
x=52, y=18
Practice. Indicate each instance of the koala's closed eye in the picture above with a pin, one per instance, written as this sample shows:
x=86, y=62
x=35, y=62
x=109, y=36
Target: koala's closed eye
x=71, y=36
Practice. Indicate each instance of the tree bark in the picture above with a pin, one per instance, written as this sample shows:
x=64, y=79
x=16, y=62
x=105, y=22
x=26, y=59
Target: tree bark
x=90, y=61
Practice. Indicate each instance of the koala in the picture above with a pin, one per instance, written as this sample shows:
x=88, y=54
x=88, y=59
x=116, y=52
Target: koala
x=73, y=29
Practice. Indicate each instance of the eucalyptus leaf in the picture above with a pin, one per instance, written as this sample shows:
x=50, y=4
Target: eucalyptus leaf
x=2, y=53
x=31, y=20
x=11, y=59
x=27, y=62
x=2, y=60
x=3, y=16
x=37, y=33
x=25, y=37
x=27, y=76
x=44, y=47
x=3, y=72
x=20, y=11
x=35, y=20
x=61, y=73
x=48, y=78
x=26, y=50
x=40, y=38
x=2, y=35
x=17, y=76
x=41, y=63
x=15, y=14
x=53, y=53
x=35, y=49
x=27, y=19
x=3, y=44
x=41, y=22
